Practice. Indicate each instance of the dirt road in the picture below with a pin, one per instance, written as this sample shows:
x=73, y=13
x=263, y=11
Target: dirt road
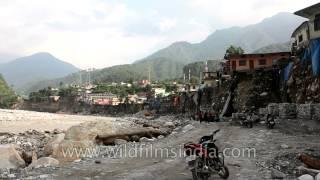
x=268, y=144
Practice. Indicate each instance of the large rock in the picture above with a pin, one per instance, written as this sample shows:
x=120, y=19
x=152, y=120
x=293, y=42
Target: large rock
x=187, y=128
x=317, y=177
x=45, y=161
x=10, y=158
x=68, y=150
x=81, y=140
x=275, y=174
x=169, y=124
x=53, y=144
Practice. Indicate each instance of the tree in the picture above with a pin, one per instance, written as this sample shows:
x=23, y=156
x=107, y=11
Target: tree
x=233, y=50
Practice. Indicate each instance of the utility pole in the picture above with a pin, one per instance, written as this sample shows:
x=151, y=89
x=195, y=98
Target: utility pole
x=206, y=67
x=80, y=78
x=88, y=76
x=149, y=74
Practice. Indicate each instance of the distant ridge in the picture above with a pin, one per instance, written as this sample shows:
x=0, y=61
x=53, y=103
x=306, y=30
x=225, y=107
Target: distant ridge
x=39, y=66
x=168, y=63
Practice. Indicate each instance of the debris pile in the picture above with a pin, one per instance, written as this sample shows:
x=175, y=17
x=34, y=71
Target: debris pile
x=29, y=141
x=302, y=86
x=256, y=91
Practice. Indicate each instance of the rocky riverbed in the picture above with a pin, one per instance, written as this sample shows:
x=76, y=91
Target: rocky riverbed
x=36, y=153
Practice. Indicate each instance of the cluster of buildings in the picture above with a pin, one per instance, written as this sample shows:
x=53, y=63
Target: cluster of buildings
x=87, y=96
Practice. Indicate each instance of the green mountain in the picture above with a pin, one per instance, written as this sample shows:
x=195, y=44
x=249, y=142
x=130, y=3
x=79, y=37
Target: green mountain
x=7, y=95
x=168, y=63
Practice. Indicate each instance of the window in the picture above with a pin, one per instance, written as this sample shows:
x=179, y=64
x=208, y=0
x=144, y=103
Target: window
x=317, y=23
x=261, y=55
x=262, y=62
x=242, y=63
x=300, y=38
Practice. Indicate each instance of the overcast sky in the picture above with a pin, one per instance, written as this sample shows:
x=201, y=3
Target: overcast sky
x=102, y=33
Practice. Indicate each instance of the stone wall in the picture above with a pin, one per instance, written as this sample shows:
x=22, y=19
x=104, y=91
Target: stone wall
x=304, y=111
x=292, y=111
x=287, y=111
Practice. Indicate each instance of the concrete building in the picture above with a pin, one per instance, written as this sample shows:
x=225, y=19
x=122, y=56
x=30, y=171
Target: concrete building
x=101, y=99
x=159, y=92
x=251, y=62
x=313, y=14
x=300, y=37
x=308, y=30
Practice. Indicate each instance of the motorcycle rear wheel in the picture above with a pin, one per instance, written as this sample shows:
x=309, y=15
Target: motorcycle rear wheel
x=196, y=174
x=224, y=172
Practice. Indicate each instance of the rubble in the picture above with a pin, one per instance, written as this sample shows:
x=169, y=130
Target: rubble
x=302, y=86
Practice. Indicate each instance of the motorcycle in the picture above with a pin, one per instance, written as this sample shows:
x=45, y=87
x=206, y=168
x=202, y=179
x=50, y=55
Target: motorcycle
x=270, y=121
x=246, y=121
x=204, y=158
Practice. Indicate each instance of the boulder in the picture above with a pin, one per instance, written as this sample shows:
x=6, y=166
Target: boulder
x=317, y=177
x=284, y=146
x=44, y=162
x=306, y=177
x=187, y=128
x=169, y=124
x=144, y=139
x=81, y=140
x=68, y=150
x=120, y=141
x=10, y=158
x=275, y=174
x=53, y=144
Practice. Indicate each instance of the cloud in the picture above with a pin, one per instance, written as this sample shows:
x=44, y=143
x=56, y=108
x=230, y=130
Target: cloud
x=101, y=33
x=166, y=24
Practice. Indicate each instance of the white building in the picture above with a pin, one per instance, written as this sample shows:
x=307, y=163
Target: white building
x=159, y=92
x=308, y=30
